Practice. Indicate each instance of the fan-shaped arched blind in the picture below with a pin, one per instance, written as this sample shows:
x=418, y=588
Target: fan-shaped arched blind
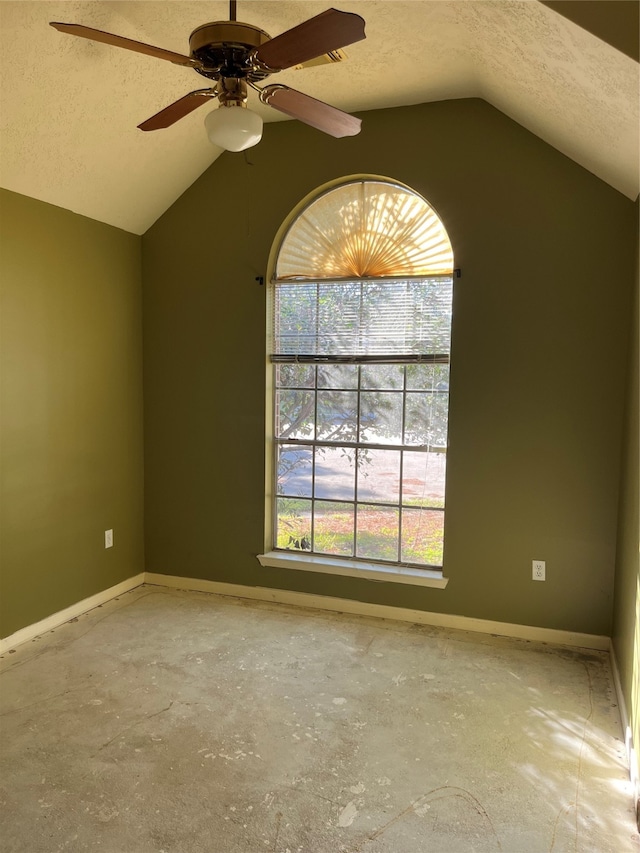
x=365, y=229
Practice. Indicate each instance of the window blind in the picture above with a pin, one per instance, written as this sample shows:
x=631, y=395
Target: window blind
x=400, y=320
x=365, y=229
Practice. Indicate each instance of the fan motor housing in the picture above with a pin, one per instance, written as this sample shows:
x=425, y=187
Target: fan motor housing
x=224, y=47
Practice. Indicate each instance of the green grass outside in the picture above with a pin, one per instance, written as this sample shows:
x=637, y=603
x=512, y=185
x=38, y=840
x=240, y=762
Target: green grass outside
x=377, y=534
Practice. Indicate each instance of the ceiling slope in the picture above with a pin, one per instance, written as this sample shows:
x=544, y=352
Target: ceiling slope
x=69, y=108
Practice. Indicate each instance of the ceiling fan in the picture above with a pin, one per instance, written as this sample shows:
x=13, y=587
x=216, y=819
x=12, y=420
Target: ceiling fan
x=236, y=56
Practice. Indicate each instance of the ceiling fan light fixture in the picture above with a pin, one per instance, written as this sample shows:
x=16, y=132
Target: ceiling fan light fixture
x=233, y=127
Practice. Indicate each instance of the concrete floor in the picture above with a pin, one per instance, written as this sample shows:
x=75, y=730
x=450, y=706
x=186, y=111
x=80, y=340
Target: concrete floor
x=180, y=722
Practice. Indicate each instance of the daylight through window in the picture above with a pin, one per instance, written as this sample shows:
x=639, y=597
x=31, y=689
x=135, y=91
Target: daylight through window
x=361, y=333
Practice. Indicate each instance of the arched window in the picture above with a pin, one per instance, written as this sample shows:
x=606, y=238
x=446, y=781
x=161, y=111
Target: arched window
x=361, y=299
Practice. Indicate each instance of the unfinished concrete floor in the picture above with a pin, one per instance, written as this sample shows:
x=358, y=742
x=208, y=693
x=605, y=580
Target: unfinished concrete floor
x=179, y=722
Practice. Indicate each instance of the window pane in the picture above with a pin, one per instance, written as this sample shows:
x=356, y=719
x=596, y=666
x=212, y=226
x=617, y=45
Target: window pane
x=295, y=375
x=381, y=417
x=379, y=475
x=427, y=377
x=295, y=468
x=338, y=376
x=339, y=317
x=337, y=415
x=295, y=318
x=333, y=528
x=335, y=473
x=431, y=315
x=426, y=419
x=383, y=377
x=294, y=524
x=422, y=536
x=423, y=479
x=294, y=414
x=377, y=533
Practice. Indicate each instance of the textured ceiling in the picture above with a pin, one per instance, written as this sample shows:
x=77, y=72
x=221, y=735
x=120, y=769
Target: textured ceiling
x=69, y=108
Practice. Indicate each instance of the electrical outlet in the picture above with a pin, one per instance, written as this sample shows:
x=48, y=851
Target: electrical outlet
x=538, y=570
x=108, y=539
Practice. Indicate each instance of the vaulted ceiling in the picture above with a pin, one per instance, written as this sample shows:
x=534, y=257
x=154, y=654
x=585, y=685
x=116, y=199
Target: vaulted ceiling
x=69, y=108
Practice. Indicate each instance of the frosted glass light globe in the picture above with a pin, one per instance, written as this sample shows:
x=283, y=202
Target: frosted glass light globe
x=233, y=127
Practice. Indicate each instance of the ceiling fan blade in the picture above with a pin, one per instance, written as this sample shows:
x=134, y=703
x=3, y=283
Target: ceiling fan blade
x=129, y=44
x=328, y=31
x=316, y=113
x=178, y=109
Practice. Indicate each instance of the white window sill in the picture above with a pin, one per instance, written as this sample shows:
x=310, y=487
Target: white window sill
x=352, y=568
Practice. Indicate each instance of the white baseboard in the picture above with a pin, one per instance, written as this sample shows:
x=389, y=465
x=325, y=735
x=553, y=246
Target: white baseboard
x=383, y=611
x=62, y=616
x=627, y=732
x=315, y=602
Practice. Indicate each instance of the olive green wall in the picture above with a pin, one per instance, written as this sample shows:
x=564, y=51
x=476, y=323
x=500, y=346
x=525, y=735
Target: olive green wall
x=626, y=616
x=614, y=21
x=71, y=409
x=540, y=344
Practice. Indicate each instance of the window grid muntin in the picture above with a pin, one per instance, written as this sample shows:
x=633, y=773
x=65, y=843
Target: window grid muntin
x=356, y=457
x=357, y=446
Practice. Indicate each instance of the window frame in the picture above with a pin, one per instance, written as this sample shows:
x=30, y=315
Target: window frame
x=361, y=567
